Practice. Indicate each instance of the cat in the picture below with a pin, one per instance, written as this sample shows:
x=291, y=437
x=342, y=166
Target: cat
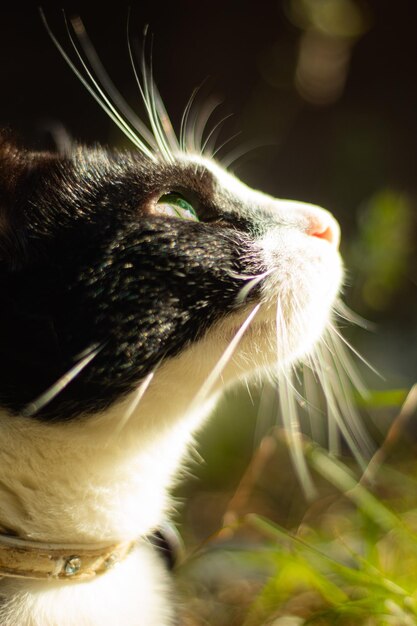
x=134, y=287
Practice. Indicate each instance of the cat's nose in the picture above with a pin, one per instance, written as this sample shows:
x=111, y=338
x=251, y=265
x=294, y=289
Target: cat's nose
x=320, y=223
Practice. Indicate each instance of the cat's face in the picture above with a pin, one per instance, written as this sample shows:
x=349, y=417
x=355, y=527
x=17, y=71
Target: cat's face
x=117, y=263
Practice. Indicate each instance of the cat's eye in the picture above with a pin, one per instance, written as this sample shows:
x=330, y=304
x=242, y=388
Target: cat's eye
x=175, y=205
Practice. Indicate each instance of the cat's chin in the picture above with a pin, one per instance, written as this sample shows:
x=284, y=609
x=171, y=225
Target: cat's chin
x=260, y=347
x=289, y=318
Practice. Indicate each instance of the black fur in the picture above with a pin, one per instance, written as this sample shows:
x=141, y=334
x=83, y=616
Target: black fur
x=86, y=265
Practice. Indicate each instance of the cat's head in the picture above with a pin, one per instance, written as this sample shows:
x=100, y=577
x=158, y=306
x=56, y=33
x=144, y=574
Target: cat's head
x=113, y=264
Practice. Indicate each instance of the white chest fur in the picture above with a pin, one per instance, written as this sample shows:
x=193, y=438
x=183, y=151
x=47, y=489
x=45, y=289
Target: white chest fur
x=92, y=481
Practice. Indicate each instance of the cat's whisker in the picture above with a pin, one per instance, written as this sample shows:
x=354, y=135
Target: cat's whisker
x=137, y=398
x=194, y=131
x=224, y=359
x=191, y=145
x=152, y=113
x=291, y=424
x=337, y=393
x=342, y=355
x=288, y=405
x=329, y=363
x=211, y=138
x=108, y=85
x=160, y=113
x=355, y=352
x=165, y=120
x=251, y=284
x=288, y=371
x=96, y=92
x=281, y=336
x=184, y=119
x=333, y=430
x=345, y=313
x=47, y=396
x=204, y=114
x=145, y=94
x=238, y=153
x=163, y=134
x=217, y=150
x=312, y=401
x=194, y=122
x=347, y=376
x=266, y=413
x=352, y=417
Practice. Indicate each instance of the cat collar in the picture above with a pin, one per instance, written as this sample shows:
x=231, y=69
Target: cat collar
x=54, y=561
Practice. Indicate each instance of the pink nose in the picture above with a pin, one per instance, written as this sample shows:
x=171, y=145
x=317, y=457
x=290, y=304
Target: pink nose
x=327, y=232
x=322, y=224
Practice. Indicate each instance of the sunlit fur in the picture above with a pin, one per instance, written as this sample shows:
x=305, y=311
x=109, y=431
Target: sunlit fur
x=108, y=477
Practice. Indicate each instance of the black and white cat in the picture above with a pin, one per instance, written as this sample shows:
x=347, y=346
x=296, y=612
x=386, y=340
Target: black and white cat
x=134, y=286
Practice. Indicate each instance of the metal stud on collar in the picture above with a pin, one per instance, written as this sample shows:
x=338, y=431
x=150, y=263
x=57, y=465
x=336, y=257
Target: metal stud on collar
x=72, y=565
x=111, y=561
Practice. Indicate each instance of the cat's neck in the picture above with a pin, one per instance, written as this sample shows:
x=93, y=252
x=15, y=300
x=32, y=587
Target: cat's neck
x=58, y=486
x=105, y=478
x=93, y=482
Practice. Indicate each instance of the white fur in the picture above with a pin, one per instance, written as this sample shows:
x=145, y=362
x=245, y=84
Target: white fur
x=94, y=480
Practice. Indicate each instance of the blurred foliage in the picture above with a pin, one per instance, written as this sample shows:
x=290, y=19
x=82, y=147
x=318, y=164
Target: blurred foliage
x=380, y=255
x=338, y=18
x=350, y=558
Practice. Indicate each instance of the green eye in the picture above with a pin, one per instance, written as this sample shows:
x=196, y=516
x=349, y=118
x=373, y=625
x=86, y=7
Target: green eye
x=175, y=205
